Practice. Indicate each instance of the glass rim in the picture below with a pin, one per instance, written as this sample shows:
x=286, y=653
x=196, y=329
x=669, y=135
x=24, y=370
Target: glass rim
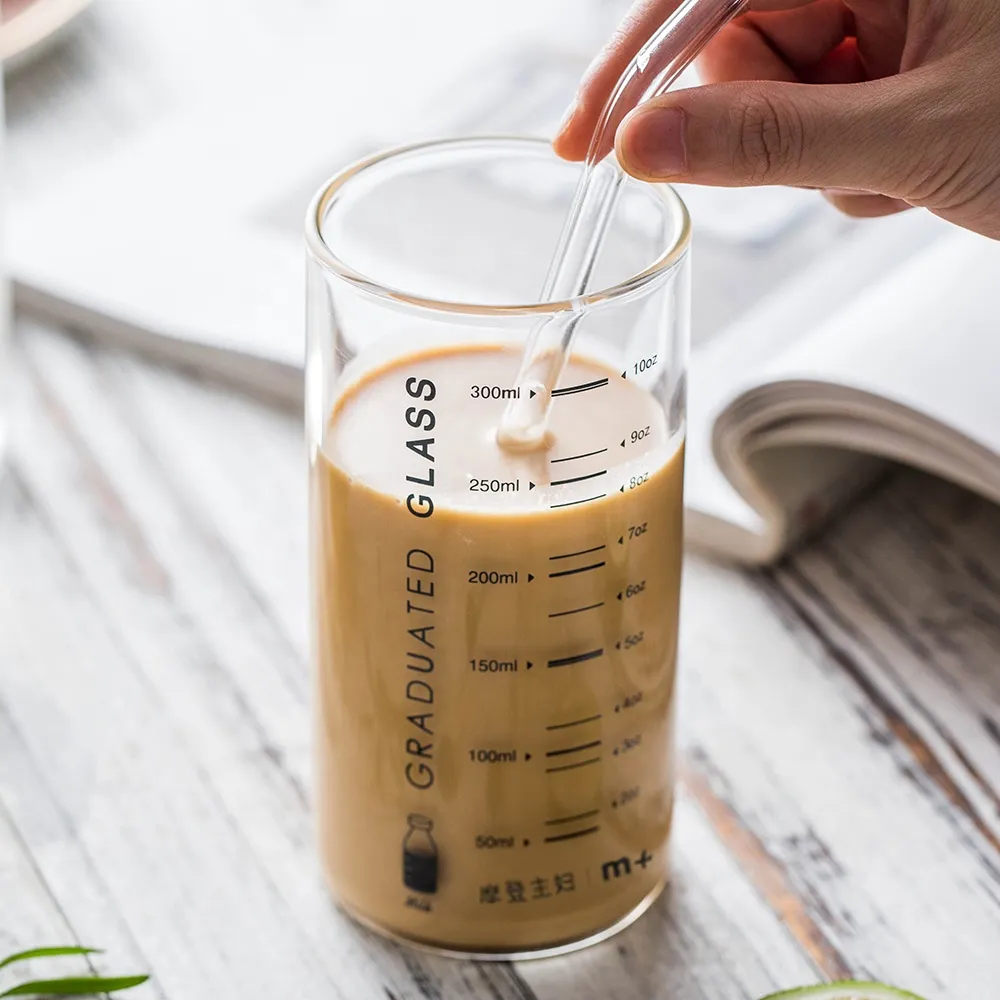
x=322, y=253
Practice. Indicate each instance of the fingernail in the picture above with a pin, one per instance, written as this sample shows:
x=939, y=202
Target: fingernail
x=653, y=143
x=844, y=192
x=567, y=117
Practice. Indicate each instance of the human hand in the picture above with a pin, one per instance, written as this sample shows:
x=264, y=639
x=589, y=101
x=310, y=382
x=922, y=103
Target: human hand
x=882, y=104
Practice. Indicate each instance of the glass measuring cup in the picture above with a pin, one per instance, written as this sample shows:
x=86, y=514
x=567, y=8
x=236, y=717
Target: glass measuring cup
x=494, y=632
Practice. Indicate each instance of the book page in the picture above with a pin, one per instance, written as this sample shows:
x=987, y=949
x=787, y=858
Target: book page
x=927, y=338
x=745, y=357
x=905, y=370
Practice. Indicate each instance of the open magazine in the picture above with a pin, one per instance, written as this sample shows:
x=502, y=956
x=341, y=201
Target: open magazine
x=784, y=428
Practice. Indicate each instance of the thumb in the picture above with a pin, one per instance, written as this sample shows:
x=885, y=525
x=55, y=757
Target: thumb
x=853, y=136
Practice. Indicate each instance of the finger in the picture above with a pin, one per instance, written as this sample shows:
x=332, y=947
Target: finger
x=576, y=130
x=865, y=206
x=644, y=17
x=881, y=28
x=797, y=38
x=865, y=136
x=770, y=5
x=740, y=53
x=842, y=65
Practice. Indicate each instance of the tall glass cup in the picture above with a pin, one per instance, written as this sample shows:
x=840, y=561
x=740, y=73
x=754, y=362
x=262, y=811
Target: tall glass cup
x=494, y=632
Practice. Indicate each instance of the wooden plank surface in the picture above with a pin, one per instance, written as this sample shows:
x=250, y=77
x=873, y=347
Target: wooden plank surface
x=839, y=770
x=839, y=809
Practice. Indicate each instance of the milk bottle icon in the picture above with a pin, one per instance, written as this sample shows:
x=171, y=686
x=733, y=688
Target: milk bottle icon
x=420, y=855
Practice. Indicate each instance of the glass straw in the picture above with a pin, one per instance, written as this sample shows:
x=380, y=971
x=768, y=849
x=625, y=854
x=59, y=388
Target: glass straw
x=668, y=52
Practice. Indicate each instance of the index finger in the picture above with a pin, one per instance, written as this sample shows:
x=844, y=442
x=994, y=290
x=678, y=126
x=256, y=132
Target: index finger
x=642, y=19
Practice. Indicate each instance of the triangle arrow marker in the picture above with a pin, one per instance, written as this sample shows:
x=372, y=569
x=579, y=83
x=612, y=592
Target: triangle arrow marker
x=621, y=489
x=531, y=576
x=530, y=664
x=527, y=756
x=532, y=394
x=623, y=442
x=621, y=539
x=531, y=486
x=623, y=374
x=619, y=595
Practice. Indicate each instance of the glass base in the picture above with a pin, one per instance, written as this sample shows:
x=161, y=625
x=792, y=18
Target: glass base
x=544, y=951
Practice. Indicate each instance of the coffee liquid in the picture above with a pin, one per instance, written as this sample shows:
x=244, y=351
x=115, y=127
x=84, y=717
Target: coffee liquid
x=495, y=643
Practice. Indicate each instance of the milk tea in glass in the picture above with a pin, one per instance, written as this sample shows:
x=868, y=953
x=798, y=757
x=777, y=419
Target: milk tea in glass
x=494, y=630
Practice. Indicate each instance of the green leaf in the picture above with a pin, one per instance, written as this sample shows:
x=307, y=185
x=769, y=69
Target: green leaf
x=845, y=991
x=23, y=956
x=79, y=986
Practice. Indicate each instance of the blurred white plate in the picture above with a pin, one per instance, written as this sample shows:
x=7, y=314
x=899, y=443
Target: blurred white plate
x=33, y=25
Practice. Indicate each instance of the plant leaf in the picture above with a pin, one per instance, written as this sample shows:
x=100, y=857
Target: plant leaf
x=72, y=949
x=851, y=990
x=78, y=986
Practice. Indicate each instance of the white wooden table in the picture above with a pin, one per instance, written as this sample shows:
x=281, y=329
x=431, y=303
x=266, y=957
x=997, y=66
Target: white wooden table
x=840, y=770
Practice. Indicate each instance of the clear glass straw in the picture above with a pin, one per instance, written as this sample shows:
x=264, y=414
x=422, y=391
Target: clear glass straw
x=668, y=52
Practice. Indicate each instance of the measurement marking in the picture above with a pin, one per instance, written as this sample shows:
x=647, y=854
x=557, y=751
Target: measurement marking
x=575, y=722
x=572, y=819
x=582, y=569
x=568, y=661
x=582, y=387
x=565, y=750
x=582, y=552
x=576, y=611
x=573, y=503
x=573, y=458
x=570, y=767
x=578, y=479
x=571, y=836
